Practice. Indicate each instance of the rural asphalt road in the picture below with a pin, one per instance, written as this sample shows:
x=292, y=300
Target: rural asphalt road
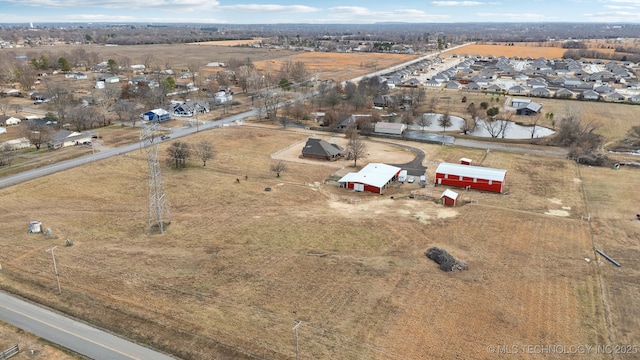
x=71, y=334
x=109, y=152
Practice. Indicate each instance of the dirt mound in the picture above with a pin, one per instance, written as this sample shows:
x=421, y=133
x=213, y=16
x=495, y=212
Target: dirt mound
x=445, y=260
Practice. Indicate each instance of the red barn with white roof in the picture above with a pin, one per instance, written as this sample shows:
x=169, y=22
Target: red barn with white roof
x=374, y=177
x=472, y=177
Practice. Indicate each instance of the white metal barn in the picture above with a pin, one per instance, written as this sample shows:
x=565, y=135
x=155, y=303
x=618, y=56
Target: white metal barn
x=390, y=128
x=374, y=177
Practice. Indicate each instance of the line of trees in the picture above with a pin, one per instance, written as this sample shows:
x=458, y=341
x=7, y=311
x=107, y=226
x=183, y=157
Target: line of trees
x=179, y=152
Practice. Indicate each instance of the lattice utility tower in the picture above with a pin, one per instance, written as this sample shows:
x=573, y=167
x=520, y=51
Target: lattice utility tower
x=158, y=207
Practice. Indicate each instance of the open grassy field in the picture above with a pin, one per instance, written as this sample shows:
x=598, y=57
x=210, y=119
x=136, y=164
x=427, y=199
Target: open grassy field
x=238, y=264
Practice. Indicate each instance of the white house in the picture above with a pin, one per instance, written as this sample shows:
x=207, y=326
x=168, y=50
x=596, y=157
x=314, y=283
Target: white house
x=9, y=120
x=16, y=144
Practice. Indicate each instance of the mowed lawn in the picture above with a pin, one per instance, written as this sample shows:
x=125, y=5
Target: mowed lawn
x=239, y=264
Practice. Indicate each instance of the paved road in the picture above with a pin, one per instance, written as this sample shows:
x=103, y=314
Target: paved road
x=109, y=152
x=71, y=334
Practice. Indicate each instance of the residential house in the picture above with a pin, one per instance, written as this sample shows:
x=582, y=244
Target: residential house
x=9, y=120
x=529, y=109
x=613, y=96
x=517, y=90
x=453, y=85
x=563, y=93
x=412, y=82
x=64, y=138
x=190, y=108
x=432, y=83
x=494, y=88
x=635, y=99
x=16, y=144
x=590, y=95
x=321, y=149
x=473, y=86
x=385, y=101
x=540, y=91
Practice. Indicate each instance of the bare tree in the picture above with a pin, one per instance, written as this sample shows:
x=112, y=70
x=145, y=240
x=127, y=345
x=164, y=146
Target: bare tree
x=4, y=108
x=147, y=60
x=424, y=121
x=533, y=124
x=25, y=75
x=83, y=118
x=432, y=104
x=279, y=167
x=271, y=99
x=126, y=111
x=105, y=98
x=37, y=135
x=505, y=123
x=357, y=148
x=298, y=72
x=179, y=152
x=574, y=131
x=492, y=126
x=7, y=154
x=445, y=121
x=407, y=119
x=204, y=151
x=299, y=110
x=286, y=111
x=330, y=119
x=61, y=100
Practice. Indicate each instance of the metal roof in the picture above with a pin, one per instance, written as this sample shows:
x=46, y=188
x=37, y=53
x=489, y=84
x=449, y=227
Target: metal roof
x=375, y=174
x=450, y=194
x=477, y=172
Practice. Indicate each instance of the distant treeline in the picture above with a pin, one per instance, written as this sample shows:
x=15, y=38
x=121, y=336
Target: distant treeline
x=627, y=50
x=574, y=45
x=577, y=54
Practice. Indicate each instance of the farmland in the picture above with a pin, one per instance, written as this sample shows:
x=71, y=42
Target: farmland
x=237, y=260
x=239, y=264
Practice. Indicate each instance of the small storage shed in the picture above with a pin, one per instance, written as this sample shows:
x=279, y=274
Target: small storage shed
x=449, y=198
x=471, y=177
x=374, y=177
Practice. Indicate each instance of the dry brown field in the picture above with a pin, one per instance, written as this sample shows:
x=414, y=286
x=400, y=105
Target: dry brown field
x=238, y=264
x=510, y=51
x=339, y=66
x=230, y=42
x=532, y=50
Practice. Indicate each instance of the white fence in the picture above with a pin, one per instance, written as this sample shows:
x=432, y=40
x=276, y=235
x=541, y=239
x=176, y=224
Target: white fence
x=14, y=350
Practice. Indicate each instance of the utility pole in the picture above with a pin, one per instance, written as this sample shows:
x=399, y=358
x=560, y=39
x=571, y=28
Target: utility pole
x=55, y=268
x=295, y=331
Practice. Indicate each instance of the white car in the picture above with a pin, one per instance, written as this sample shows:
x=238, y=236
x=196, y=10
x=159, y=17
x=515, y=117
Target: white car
x=410, y=179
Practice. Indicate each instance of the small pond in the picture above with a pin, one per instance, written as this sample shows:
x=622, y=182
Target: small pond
x=499, y=128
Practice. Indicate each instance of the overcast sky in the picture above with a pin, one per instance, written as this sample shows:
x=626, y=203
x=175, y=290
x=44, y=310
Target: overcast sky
x=318, y=12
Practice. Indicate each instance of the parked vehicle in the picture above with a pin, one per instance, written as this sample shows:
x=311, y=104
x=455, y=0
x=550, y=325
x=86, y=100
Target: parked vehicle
x=410, y=179
x=402, y=177
x=165, y=137
x=423, y=181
